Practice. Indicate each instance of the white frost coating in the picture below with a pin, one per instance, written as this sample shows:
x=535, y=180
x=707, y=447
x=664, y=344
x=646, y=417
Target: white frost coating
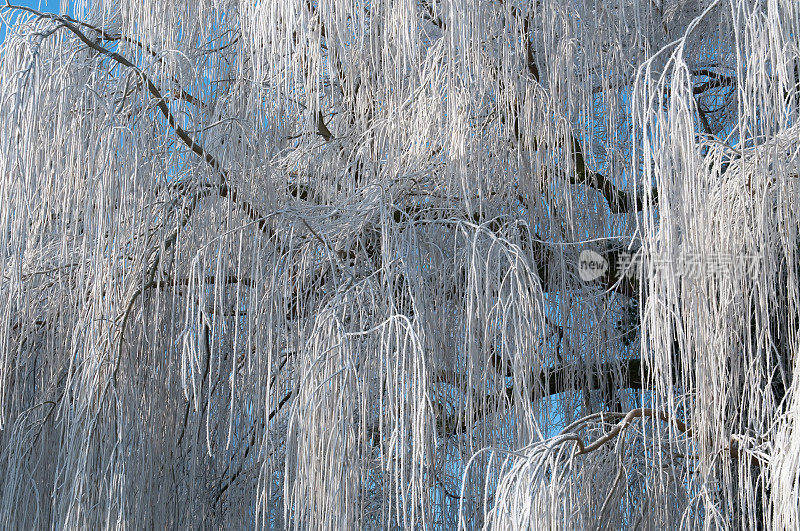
x=314, y=264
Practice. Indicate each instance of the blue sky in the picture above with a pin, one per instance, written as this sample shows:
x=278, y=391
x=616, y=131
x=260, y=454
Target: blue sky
x=42, y=5
x=51, y=6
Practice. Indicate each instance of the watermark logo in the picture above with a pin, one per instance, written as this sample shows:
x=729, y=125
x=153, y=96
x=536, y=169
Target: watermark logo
x=695, y=266
x=591, y=265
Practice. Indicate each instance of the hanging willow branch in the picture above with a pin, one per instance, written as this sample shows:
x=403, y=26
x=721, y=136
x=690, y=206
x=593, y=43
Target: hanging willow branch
x=346, y=265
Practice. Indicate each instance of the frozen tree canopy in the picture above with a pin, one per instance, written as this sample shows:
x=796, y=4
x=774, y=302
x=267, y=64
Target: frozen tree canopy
x=341, y=264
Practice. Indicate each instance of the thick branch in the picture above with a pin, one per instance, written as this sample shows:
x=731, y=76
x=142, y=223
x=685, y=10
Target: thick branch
x=625, y=422
x=715, y=79
x=224, y=189
x=619, y=201
x=628, y=374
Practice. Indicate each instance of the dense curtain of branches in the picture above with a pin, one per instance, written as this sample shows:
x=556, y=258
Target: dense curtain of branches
x=317, y=264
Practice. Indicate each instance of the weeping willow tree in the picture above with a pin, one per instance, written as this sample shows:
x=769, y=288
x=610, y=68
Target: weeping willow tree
x=414, y=264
